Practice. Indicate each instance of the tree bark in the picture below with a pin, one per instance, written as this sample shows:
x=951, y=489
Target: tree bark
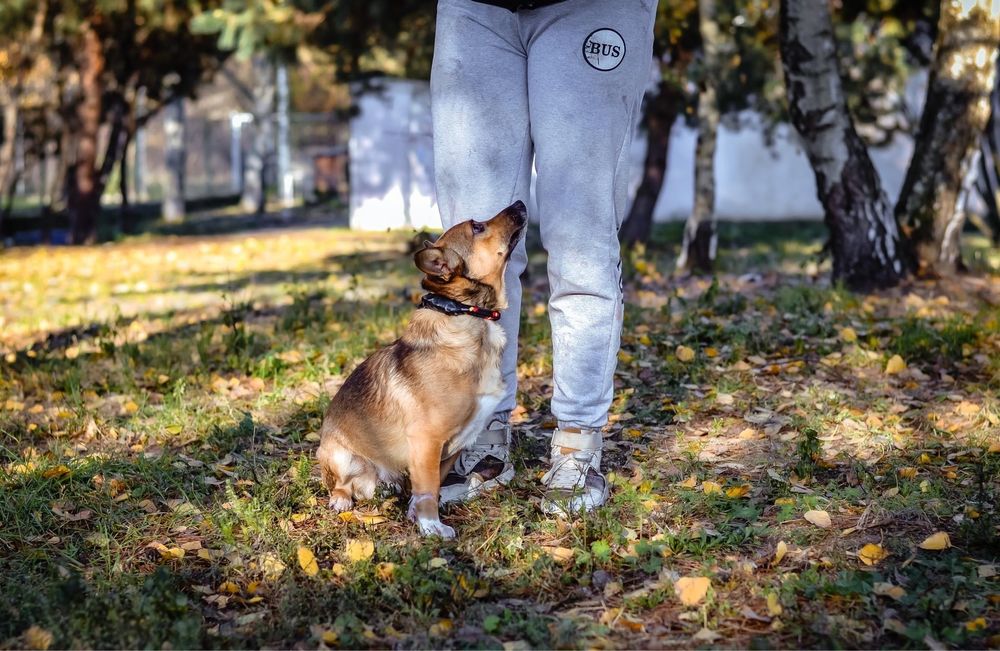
x=700, y=233
x=262, y=147
x=173, y=126
x=7, y=149
x=955, y=116
x=661, y=113
x=84, y=200
x=864, y=238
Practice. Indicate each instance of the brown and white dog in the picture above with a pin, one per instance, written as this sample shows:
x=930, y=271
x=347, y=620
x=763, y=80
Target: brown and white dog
x=413, y=405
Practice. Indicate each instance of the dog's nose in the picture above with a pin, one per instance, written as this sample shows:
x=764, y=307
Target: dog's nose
x=519, y=208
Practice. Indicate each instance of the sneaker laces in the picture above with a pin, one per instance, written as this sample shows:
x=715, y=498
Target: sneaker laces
x=570, y=471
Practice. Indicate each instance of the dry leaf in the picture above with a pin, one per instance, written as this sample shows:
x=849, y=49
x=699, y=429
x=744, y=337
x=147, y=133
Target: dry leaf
x=779, y=552
x=690, y=482
x=271, y=565
x=895, y=365
x=38, y=638
x=684, y=353
x=58, y=471
x=711, y=488
x=819, y=518
x=849, y=335
x=738, y=491
x=773, y=606
x=884, y=589
x=384, y=571
x=359, y=549
x=307, y=561
x=706, y=635
x=872, y=554
x=691, y=590
x=966, y=408
x=936, y=542
x=559, y=554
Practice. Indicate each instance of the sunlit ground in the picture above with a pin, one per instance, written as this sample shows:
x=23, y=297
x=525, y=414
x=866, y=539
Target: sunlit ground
x=793, y=465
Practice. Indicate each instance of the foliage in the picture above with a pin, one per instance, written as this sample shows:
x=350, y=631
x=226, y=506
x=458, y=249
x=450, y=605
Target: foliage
x=156, y=458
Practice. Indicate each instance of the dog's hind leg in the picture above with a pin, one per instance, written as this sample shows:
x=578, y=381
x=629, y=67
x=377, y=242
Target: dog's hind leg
x=345, y=474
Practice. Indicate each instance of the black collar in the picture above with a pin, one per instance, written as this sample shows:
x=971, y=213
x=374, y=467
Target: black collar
x=452, y=307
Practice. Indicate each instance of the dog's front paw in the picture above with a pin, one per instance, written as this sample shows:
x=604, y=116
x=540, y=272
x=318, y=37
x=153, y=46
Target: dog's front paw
x=340, y=503
x=435, y=528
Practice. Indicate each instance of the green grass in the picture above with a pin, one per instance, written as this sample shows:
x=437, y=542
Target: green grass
x=161, y=395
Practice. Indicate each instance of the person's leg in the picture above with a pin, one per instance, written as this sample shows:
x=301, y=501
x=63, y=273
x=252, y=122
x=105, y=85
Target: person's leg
x=482, y=164
x=588, y=65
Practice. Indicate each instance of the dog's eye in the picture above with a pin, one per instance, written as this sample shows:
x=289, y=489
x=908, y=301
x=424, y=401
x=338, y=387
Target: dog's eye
x=478, y=228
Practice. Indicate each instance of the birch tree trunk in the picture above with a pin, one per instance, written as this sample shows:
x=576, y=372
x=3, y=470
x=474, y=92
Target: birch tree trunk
x=864, y=238
x=262, y=147
x=84, y=200
x=661, y=113
x=173, y=196
x=700, y=236
x=955, y=116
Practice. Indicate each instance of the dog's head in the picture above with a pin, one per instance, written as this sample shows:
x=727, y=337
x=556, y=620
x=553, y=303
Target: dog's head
x=467, y=263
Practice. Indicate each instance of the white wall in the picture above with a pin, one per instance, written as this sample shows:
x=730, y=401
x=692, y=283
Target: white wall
x=392, y=170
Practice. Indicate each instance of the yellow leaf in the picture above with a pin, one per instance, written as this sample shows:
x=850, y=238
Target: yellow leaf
x=976, y=624
x=441, y=629
x=785, y=501
x=849, y=335
x=359, y=549
x=779, y=552
x=346, y=516
x=58, y=471
x=228, y=587
x=895, y=365
x=307, y=561
x=711, y=352
x=966, y=408
x=773, y=606
x=684, y=353
x=329, y=637
x=690, y=482
x=37, y=638
x=130, y=407
x=369, y=518
x=384, y=571
x=872, y=554
x=338, y=569
x=738, y=491
x=271, y=565
x=884, y=589
x=711, y=488
x=907, y=473
x=299, y=517
x=819, y=518
x=936, y=542
x=691, y=590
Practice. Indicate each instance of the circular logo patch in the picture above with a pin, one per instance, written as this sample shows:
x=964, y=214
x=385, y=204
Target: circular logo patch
x=604, y=49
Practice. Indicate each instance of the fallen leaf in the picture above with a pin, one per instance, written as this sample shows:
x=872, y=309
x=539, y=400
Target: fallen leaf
x=895, y=365
x=773, y=605
x=819, y=518
x=307, y=561
x=271, y=565
x=966, y=408
x=684, y=353
x=738, y=491
x=779, y=552
x=58, y=471
x=872, y=554
x=848, y=334
x=706, y=635
x=559, y=554
x=936, y=542
x=690, y=482
x=691, y=590
x=884, y=589
x=72, y=517
x=38, y=638
x=441, y=628
x=228, y=587
x=359, y=549
x=384, y=571
x=711, y=488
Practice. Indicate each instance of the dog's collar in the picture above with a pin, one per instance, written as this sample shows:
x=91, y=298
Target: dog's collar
x=452, y=307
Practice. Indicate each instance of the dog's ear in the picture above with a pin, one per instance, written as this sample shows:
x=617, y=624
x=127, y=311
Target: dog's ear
x=440, y=262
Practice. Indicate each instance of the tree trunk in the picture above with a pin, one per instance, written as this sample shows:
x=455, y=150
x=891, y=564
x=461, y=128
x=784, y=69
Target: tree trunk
x=955, y=116
x=661, y=113
x=9, y=136
x=864, y=238
x=262, y=147
x=286, y=184
x=84, y=200
x=126, y=217
x=173, y=197
x=700, y=237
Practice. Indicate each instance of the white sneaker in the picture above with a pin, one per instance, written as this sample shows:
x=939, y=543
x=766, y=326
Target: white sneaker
x=483, y=466
x=574, y=483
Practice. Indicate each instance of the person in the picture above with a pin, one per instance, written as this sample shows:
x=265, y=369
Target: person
x=558, y=83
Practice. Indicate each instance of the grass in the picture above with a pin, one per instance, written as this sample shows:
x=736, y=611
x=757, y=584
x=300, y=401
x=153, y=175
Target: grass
x=159, y=399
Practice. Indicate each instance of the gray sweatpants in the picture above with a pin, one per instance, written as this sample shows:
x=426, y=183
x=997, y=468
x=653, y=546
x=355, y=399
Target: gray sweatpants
x=561, y=84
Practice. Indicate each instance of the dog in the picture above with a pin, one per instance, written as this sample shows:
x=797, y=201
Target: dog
x=411, y=407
